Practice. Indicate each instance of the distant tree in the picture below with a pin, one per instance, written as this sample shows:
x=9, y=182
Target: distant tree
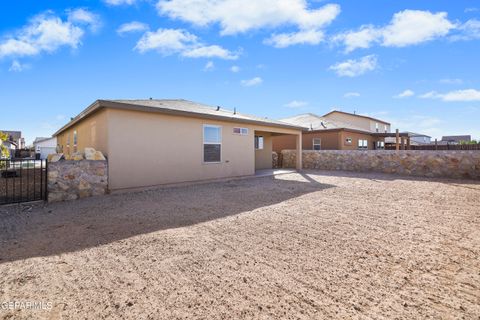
x=4, y=152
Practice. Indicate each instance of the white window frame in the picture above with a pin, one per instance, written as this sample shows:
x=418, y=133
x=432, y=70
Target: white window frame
x=380, y=145
x=263, y=142
x=204, y=143
x=316, y=144
x=243, y=131
x=376, y=126
x=75, y=141
x=363, y=146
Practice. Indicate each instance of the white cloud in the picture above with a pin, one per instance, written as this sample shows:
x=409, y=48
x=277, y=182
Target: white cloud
x=238, y=16
x=209, y=66
x=120, y=2
x=83, y=16
x=358, y=39
x=470, y=30
x=454, y=96
x=451, y=81
x=284, y=40
x=178, y=41
x=351, y=95
x=471, y=10
x=213, y=51
x=44, y=33
x=354, y=68
x=16, y=66
x=130, y=27
x=296, y=104
x=408, y=27
x=252, y=82
x=405, y=94
x=235, y=69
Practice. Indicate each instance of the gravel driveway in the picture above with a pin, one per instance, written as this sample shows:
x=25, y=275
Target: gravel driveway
x=296, y=246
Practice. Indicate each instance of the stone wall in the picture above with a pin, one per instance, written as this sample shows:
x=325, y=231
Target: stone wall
x=440, y=164
x=70, y=180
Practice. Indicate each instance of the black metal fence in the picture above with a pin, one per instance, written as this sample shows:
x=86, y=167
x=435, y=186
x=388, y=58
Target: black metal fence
x=23, y=180
x=441, y=147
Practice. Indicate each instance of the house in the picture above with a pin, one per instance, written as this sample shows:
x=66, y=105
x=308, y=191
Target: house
x=456, y=139
x=152, y=142
x=14, y=141
x=359, y=121
x=416, y=139
x=321, y=133
x=45, y=146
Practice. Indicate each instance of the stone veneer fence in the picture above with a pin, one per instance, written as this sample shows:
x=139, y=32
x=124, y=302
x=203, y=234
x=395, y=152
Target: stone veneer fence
x=438, y=164
x=70, y=180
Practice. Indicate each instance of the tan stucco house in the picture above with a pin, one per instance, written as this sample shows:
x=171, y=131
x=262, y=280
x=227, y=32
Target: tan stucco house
x=152, y=142
x=323, y=133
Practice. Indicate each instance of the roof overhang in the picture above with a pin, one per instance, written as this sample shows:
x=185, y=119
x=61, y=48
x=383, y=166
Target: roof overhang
x=101, y=104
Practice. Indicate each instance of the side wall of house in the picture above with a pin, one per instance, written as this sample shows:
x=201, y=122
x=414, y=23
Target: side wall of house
x=355, y=137
x=91, y=132
x=147, y=149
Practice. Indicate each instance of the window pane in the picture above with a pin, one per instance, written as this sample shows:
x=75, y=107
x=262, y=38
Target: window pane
x=245, y=131
x=237, y=130
x=259, y=142
x=212, y=152
x=211, y=135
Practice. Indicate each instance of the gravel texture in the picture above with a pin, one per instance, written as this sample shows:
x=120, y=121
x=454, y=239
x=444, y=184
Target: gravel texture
x=307, y=245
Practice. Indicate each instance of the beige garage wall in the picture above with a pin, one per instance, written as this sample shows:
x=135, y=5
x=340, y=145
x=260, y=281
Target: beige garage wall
x=147, y=149
x=263, y=157
x=91, y=132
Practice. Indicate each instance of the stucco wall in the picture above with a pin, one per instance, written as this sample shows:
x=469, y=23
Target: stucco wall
x=70, y=180
x=441, y=164
x=91, y=132
x=147, y=149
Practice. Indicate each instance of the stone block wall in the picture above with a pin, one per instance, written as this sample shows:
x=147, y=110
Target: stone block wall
x=70, y=180
x=438, y=164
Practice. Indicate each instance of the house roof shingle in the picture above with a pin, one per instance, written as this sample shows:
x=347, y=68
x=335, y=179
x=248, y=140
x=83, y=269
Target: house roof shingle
x=314, y=122
x=177, y=107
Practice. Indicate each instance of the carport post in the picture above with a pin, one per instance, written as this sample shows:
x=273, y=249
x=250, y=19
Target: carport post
x=299, y=151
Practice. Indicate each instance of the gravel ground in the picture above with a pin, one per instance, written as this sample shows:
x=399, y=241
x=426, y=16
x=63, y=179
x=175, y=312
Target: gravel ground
x=296, y=246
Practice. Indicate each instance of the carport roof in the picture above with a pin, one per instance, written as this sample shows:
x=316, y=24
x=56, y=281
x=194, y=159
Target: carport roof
x=178, y=107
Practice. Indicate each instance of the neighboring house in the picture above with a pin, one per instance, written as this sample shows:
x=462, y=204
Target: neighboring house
x=416, y=139
x=456, y=139
x=359, y=121
x=14, y=141
x=322, y=133
x=45, y=146
x=152, y=142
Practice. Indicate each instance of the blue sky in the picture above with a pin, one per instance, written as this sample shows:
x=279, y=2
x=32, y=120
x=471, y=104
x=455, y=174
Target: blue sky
x=413, y=63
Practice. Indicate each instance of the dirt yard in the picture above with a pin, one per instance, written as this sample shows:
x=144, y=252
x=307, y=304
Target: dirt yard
x=314, y=245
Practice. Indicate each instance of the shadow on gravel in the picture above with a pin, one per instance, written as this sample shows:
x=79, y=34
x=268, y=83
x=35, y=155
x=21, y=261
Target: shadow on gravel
x=45, y=230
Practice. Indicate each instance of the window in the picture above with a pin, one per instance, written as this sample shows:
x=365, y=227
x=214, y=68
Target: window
x=317, y=143
x=75, y=141
x=362, y=144
x=380, y=145
x=212, y=143
x=241, y=131
x=68, y=143
x=348, y=141
x=386, y=129
x=376, y=126
x=259, y=142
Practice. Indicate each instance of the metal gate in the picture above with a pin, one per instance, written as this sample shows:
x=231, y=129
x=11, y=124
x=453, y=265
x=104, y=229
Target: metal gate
x=23, y=180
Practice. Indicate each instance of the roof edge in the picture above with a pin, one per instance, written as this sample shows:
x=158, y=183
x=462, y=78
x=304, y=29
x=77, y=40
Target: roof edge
x=98, y=104
x=357, y=115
